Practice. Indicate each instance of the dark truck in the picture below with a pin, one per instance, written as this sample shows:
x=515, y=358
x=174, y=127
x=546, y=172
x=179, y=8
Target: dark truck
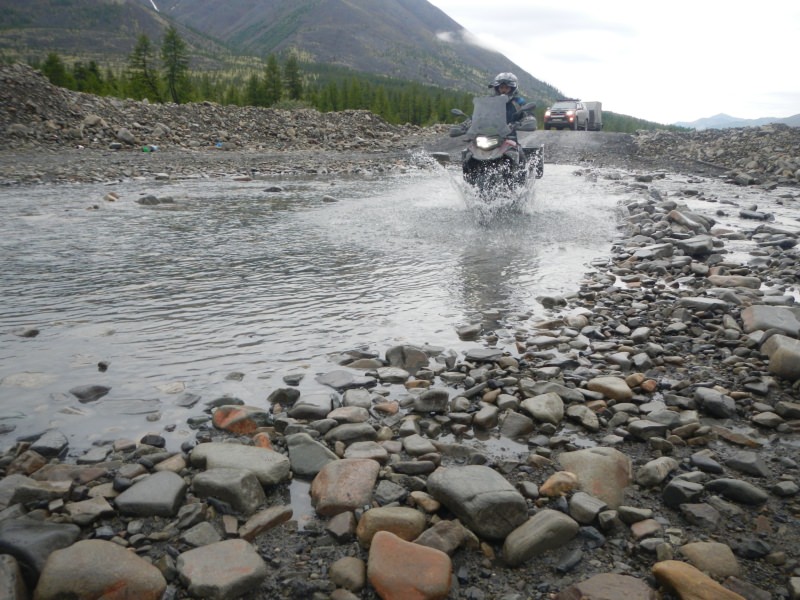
x=571, y=113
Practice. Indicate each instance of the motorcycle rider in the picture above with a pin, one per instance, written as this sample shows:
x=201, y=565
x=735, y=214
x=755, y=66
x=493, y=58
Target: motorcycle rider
x=507, y=83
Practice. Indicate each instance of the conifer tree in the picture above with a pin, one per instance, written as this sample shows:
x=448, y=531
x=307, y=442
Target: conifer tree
x=142, y=72
x=294, y=79
x=55, y=70
x=88, y=77
x=255, y=91
x=175, y=59
x=380, y=104
x=273, y=83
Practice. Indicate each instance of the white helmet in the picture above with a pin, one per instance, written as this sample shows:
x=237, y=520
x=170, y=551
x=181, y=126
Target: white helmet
x=505, y=78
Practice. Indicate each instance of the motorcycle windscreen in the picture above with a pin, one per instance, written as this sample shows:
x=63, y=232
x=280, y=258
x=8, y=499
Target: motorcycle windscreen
x=489, y=116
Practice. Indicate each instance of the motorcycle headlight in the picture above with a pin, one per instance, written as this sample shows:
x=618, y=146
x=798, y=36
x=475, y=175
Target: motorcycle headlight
x=487, y=142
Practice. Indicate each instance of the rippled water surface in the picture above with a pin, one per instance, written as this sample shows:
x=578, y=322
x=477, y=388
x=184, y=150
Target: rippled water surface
x=231, y=287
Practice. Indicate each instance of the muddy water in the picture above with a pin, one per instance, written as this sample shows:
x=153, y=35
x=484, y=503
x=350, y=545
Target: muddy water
x=230, y=287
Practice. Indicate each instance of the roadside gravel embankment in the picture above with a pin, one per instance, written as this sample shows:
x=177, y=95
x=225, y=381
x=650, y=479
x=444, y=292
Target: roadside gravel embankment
x=656, y=409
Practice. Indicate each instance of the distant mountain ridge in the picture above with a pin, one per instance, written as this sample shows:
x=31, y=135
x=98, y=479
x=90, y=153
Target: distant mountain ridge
x=723, y=121
x=404, y=39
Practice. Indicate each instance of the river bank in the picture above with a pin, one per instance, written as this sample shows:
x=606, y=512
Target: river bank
x=656, y=373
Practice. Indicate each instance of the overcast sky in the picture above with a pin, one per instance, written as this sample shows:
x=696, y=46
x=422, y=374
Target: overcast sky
x=665, y=62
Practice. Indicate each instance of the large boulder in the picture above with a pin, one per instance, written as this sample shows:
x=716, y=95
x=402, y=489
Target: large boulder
x=482, y=498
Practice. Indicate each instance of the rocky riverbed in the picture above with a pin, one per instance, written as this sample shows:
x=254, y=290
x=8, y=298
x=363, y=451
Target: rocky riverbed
x=640, y=442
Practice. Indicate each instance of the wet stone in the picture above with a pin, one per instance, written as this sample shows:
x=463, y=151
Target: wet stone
x=434, y=400
x=404, y=522
x=89, y=393
x=30, y=542
x=51, y=443
x=225, y=569
x=749, y=463
x=786, y=489
x=656, y=471
x=703, y=460
x=89, y=568
x=546, y=530
x=483, y=355
x=484, y=501
x=312, y=406
x=269, y=466
x=713, y=558
x=12, y=585
x=585, y=508
x=702, y=515
x=239, y=488
x=400, y=569
x=609, y=586
x=738, y=491
x=602, y=472
x=306, y=455
x=159, y=494
x=344, y=485
x=679, y=491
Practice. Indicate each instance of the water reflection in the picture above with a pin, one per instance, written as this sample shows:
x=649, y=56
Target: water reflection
x=489, y=275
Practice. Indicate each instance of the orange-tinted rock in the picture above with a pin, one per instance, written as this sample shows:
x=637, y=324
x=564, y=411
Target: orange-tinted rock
x=242, y=420
x=26, y=463
x=387, y=408
x=344, y=485
x=417, y=384
x=559, y=484
x=400, y=570
x=99, y=569
x=602, y=472
x=649, y=386
x=262, y=440
x=689, y=583
x=406, y=523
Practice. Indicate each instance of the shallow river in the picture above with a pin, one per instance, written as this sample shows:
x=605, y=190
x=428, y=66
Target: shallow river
x=231, y=287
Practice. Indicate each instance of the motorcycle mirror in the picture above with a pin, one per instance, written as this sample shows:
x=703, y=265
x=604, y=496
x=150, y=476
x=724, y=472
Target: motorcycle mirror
x=457, y=112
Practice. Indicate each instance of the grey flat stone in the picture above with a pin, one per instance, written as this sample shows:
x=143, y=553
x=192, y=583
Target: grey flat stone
x=160, y=494
x=738, y=491
x=269, y=466
x=546, y=530
x=223, y=570
x=761, y=317
x=238, y=487
x=482, y=498
x=30, y=542
x=312, y=406
x=308, y=456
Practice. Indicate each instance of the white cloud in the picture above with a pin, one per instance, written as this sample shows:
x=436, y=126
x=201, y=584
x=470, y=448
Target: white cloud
x=677, y=62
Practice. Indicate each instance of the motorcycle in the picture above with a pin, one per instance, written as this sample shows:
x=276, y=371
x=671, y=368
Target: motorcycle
x=494, y=161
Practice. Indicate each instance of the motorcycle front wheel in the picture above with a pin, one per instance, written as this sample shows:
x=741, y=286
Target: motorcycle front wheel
x=490, y=178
